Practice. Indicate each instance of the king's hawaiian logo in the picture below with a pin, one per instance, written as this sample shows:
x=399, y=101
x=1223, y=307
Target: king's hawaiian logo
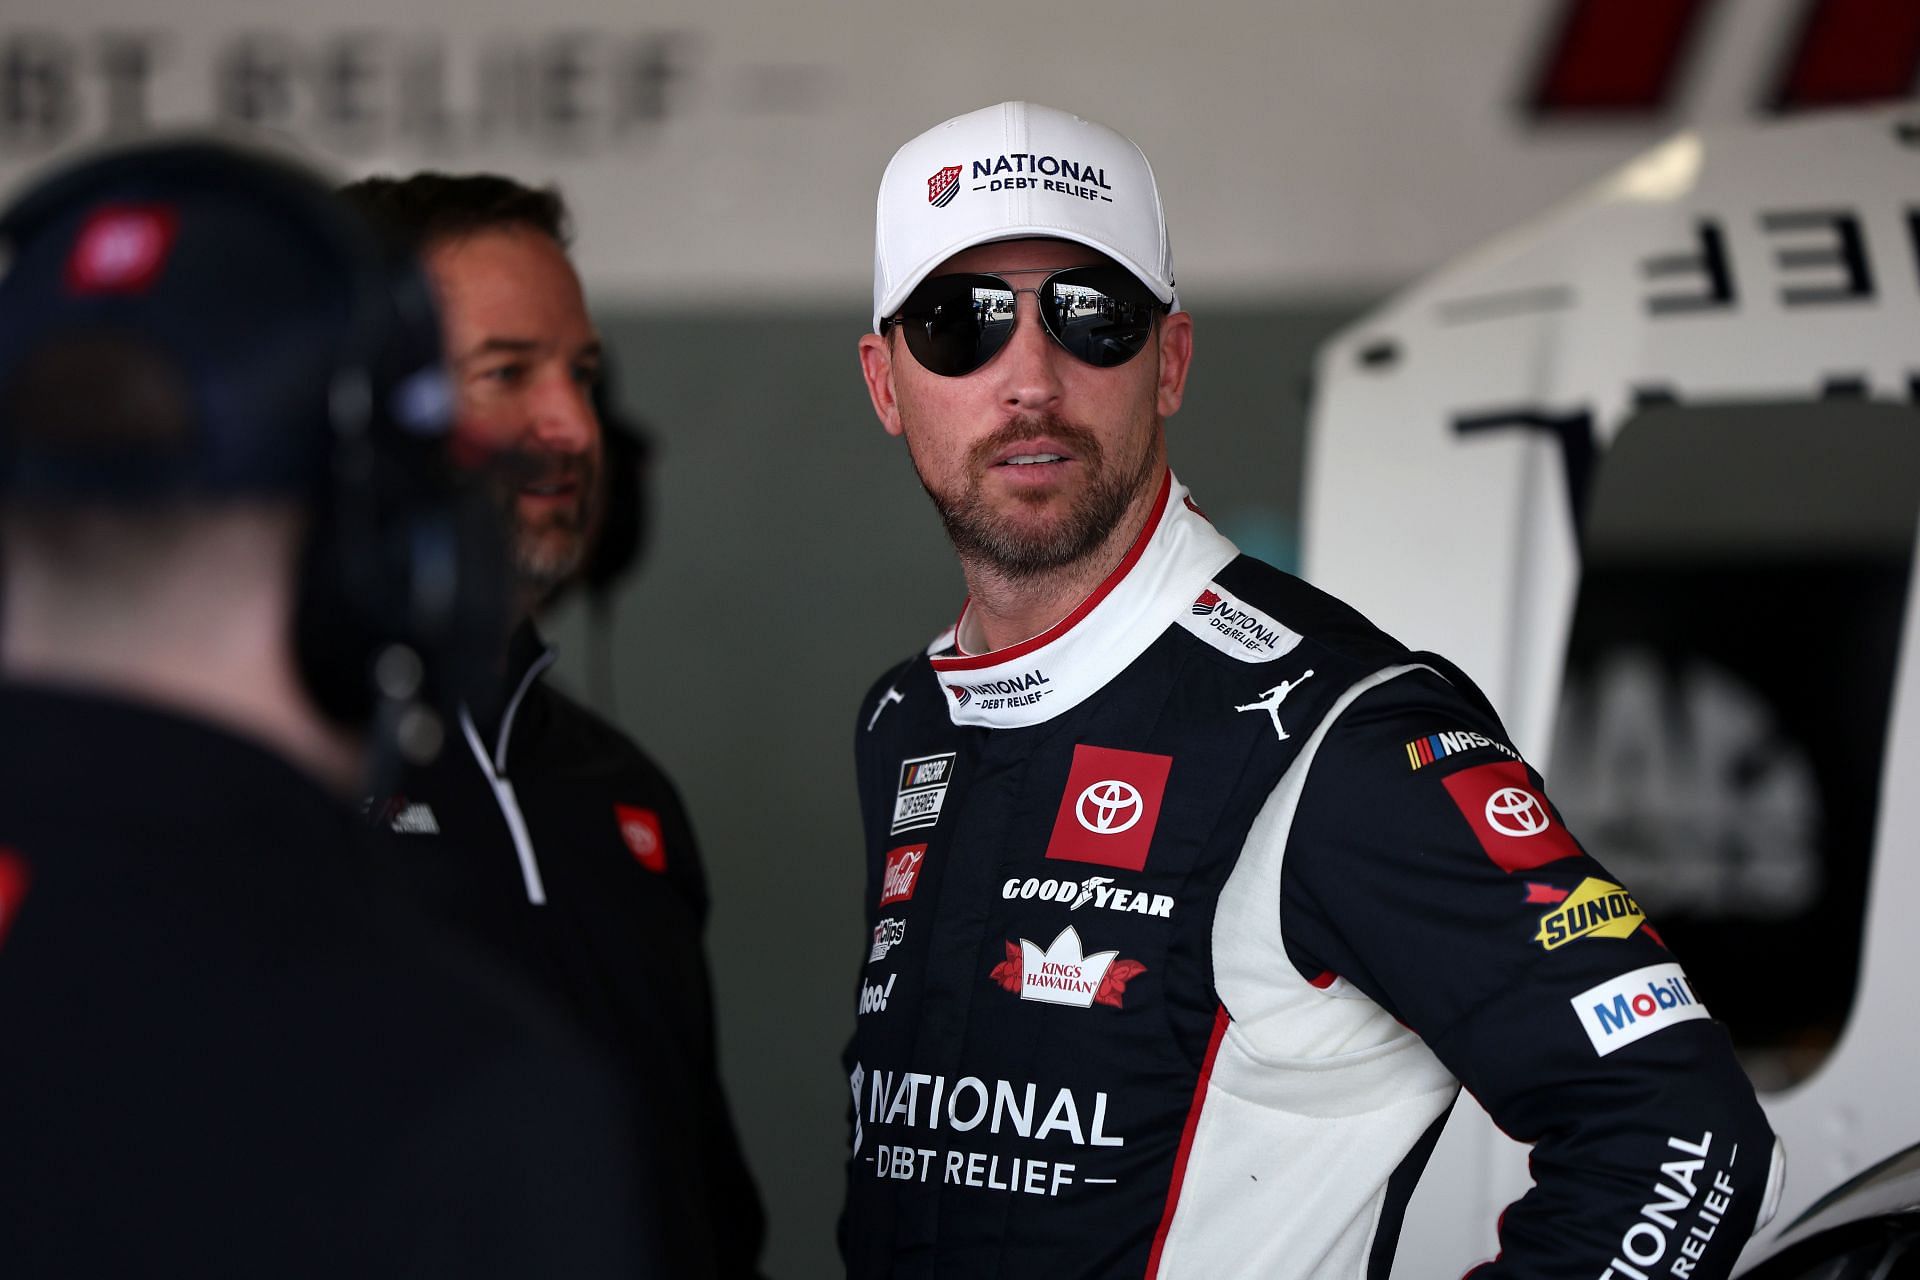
x=1065, y=974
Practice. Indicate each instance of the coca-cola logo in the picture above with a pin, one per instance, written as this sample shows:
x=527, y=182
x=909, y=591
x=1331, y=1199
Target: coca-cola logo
x=901, y=873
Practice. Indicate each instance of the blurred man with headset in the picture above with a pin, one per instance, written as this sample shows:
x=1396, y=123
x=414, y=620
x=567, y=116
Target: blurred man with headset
x=546, y=835
x=238, y=574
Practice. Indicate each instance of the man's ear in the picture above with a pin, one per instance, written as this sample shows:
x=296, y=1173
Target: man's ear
x=876, y=366
x=1176, y=355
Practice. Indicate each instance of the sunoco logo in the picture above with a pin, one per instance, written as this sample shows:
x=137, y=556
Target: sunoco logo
x=1597, y=909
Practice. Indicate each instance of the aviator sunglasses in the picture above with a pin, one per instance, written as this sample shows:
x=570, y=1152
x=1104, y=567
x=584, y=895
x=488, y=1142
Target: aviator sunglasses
x=955, y=324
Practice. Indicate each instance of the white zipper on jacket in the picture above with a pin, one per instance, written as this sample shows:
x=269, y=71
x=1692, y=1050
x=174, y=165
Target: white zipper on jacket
x=495, y=768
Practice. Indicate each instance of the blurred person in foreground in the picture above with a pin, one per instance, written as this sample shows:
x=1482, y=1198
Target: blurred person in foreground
x=236, y=571
x=1195, y=899
x=546, y=835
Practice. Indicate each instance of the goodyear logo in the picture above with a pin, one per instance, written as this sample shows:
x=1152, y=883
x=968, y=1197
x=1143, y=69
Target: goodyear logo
x=1597, y=909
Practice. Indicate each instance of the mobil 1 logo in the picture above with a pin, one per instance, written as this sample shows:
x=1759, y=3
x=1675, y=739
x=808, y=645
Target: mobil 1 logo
x=923, y=791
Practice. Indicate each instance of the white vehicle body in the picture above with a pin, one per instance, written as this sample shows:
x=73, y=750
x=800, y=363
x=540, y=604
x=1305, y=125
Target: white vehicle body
x=1457, y=428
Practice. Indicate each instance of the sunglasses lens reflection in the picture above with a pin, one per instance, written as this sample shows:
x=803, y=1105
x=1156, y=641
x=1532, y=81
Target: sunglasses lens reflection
x=955, y=324
x=1100, y=314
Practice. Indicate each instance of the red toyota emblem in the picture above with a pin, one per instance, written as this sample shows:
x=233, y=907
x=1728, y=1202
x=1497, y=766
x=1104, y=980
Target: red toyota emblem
x=1508, y=816
x=1108, y=807
x=1513, y=811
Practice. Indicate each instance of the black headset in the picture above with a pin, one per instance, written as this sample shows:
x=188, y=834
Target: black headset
x=402, y=590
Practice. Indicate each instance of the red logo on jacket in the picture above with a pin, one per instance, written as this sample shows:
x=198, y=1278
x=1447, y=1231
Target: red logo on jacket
x=1509, y=816
x=13, y=888
x=1111, y=806
x=902, y=873
x=640, y=828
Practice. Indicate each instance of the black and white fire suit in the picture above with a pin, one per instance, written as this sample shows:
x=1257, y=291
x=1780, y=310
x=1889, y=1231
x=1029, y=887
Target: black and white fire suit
x=547, y=838
x=1187, y=921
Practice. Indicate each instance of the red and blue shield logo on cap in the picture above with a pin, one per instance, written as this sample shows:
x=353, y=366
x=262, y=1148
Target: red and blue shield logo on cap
x=942, y=186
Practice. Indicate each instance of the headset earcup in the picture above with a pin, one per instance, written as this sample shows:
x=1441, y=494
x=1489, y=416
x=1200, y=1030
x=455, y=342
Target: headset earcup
x=404, y=551
x=334, y=639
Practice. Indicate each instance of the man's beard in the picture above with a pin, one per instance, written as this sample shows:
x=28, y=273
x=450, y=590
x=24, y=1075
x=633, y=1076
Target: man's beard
x=546, y=550
x=1019, y=549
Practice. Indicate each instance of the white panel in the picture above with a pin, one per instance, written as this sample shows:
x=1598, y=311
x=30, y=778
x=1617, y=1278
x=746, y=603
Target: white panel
x=732, y=150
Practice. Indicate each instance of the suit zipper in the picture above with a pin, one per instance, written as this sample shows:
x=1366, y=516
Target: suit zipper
x=495, y=769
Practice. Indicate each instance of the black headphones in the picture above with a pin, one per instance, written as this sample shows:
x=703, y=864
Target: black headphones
x=402, y=591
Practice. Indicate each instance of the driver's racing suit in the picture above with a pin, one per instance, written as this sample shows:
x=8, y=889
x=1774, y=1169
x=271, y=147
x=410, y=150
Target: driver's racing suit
x=1187, y=920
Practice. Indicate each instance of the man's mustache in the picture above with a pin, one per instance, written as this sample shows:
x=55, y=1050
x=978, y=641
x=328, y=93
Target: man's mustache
x=1079, y=441
x=518, y=468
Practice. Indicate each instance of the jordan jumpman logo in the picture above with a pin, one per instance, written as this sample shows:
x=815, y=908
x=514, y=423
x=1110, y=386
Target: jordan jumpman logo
x=1270, y=701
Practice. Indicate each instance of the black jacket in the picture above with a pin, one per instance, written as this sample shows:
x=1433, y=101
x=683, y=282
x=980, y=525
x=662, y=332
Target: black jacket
x=220, y=1056
x=548, y=838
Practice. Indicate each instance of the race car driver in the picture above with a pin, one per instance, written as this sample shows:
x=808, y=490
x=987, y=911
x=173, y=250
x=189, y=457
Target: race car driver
x=223, y=437
x=545, y=834
x=1193, y=899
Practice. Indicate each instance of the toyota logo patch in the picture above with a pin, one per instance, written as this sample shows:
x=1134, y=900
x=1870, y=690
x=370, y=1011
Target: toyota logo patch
x=1508, y=815
x=1109, y=807
x=1514, y=812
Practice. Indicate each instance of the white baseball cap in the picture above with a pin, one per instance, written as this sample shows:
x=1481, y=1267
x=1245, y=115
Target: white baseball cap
x=1007, y=173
